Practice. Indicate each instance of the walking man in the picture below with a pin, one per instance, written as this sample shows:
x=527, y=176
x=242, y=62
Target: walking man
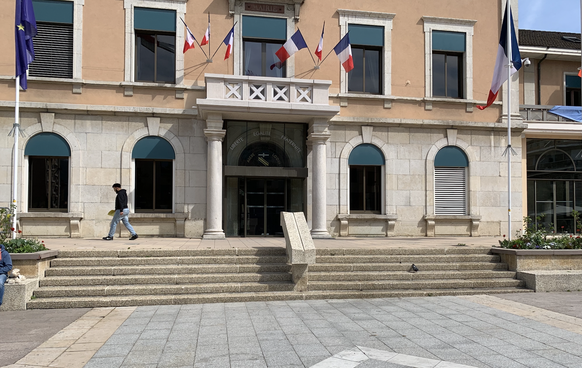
x=121, y=212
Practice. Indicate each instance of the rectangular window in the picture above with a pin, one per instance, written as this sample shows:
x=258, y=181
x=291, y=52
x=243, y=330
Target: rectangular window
x=153, y=190
x=262, y=37
x=448, y=50
x=367, y=43
x=572, y=90
x=53, y=45
x=48, y=183
x=365, y=194
x=155, y=45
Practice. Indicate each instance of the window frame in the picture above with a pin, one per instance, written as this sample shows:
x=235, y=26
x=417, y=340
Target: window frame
x=380, y=77
x=566, y=74
x=449, y=25
x=154, y=210
x=378, y=170
x=179, y=6
x=77, y=50
x=31, y=159
x=264, y=65
x=155, y=34
x=239, y=12
x=460, y=78
x=347, y=17
x=457, y=167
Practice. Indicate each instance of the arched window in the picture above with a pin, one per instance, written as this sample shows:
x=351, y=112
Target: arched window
x=366, y=161
x=450, y=181
x=48, y=172
x=153, y=175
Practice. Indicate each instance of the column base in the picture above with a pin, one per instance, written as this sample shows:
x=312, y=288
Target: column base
x=320, y=234
x=213, y=234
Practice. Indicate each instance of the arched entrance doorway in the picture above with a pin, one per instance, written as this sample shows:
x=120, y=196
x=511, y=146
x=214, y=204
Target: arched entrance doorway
x=265, y=174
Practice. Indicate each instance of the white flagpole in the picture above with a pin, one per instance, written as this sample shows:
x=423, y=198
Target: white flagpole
x=509, y=149
x=16, y=132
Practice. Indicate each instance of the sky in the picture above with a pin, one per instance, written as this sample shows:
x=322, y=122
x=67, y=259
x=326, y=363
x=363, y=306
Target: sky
x=550, y=15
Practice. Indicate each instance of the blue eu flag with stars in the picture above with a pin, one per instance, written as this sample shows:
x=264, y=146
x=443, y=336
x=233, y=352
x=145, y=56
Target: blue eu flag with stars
x=25, y=30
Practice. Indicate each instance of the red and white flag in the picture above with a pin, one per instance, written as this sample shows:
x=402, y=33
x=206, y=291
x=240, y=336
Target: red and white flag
x=189, y=41
x=500, y=73
x=228, y=41
x=319, y=49
x=207, y=34
x=343, y=50
x=294, y=44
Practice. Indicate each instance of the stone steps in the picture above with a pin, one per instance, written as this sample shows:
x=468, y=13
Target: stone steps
x=166, y=269
x=130, y=277
x=421, y=275
x=169, y=279
x=142, y=300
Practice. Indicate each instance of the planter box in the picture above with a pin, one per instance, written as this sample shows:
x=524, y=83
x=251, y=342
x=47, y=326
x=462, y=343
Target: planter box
x=17, y=295
x=548, y=260
x=33, y=265
x=545, y=270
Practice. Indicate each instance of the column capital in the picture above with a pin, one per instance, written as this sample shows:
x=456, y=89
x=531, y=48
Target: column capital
x=319, y=138
x=214, y=121
x=214, y=134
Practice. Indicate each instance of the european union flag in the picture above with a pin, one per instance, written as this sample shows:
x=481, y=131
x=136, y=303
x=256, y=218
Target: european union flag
x=24, y=32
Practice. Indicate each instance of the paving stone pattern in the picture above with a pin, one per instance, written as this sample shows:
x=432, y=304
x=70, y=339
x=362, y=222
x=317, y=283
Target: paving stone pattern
x=449, y=331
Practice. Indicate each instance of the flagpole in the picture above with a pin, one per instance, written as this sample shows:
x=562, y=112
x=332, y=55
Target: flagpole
x=209, y=31
x=16, y=132
x=194, y=38
x=308, y=49
x=509, y=149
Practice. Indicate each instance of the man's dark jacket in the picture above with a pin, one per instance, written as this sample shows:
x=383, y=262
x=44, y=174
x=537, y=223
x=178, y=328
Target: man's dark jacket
x=6, y=261
x=121, y=200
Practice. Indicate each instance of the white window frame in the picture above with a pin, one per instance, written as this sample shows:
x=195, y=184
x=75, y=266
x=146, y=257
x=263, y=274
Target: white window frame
x=347, y=17
x=179, y=6
x=239, y=12
x=449, y=25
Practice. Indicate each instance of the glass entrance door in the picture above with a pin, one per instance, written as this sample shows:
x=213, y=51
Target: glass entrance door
x=254, y=205
x=555, y=201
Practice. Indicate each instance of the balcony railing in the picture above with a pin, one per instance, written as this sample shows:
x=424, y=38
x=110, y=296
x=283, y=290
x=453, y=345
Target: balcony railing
x=256, y=89
x=540, y=113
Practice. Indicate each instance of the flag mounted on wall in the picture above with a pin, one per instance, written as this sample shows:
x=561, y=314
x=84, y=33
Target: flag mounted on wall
x=228, y=41
x=319, y=49
x=500, y=74
x=343, y=50
x=294, y=44
x=206, y=38
x=25, y=30
x=189, y=41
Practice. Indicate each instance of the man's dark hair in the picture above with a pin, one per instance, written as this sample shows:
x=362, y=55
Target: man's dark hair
x=116, y=185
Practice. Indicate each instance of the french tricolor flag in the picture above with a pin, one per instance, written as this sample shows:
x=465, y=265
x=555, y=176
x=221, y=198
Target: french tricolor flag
x=294, y=44
x=500, y=73
x=319, y=49
x=206, y=36
x=228, y=40
x=343, y=50
x=189, y=42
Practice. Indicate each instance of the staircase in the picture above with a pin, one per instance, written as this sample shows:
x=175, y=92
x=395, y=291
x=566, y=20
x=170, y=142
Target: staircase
x=79, y=279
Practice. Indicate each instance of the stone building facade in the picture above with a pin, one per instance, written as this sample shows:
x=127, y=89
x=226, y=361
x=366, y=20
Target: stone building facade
x=215, y=148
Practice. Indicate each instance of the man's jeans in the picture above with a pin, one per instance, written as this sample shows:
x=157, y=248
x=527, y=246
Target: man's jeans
x=123, y=216
x=3, y=278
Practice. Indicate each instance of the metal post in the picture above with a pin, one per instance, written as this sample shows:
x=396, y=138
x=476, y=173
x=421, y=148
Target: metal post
x=15, y=155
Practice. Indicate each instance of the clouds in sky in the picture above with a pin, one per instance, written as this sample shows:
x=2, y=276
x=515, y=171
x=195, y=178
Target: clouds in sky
x=550, y=15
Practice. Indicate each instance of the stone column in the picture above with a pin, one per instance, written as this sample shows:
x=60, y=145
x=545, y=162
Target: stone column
x=214, y=135
x=319, y=135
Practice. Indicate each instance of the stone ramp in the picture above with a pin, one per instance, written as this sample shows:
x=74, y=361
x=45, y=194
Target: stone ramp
x=78, y=279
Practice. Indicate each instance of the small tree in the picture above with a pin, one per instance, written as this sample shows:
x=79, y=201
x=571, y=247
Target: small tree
x=6, y=228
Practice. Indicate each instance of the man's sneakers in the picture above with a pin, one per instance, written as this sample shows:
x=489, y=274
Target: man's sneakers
x=107, y=238
x=133, y=237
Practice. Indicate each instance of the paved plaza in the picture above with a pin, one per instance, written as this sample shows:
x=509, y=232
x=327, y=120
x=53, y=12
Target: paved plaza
x=504, y=330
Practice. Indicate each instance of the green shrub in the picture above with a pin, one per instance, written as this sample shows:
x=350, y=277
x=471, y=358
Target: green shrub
x=24, y=245
x=6, y=222
x=537, y=236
